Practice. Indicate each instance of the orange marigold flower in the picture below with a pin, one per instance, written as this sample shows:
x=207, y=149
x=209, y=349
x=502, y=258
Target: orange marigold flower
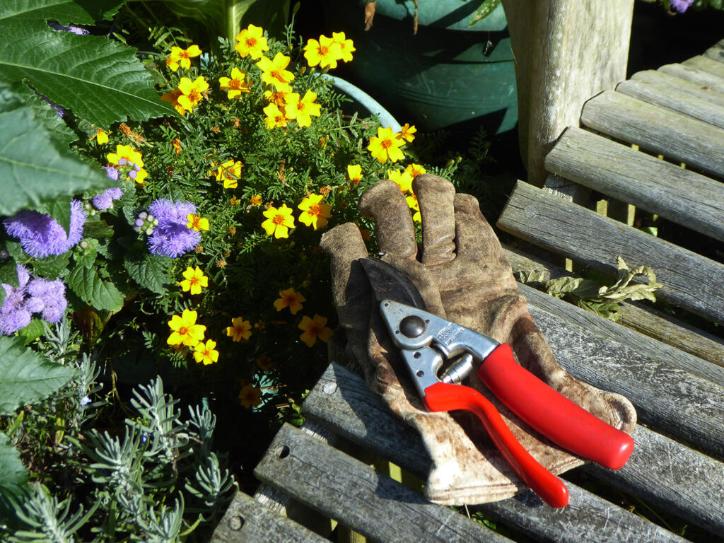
x=407, y=132
x=313, y=329
x=289, y=298
x=240, y=329
x=249, y=396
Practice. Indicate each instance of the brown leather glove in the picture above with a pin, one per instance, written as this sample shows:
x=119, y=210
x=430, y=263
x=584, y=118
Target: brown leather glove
x=463, y=276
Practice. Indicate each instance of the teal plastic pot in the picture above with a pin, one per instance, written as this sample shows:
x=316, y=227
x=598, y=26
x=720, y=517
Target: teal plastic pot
x=448, y=74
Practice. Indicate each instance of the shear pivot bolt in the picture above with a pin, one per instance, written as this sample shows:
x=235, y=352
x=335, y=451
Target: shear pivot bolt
x=412, y=326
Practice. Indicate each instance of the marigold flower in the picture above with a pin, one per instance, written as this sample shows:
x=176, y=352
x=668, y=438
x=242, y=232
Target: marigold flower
x=195, y=222
x=101, y=137
x=275, y=118
x=313, y=329
x=274, y=72
x=255, y=200
x=407, y=133
x=289, y=298
x=249, y=396
x=314, y=212
x=229, y=173
x=386, y=146
x=414, y=170
x=276, y=97
x=194, y=280
x=139, y=176
x=251, y=42
x=184, y=330
x=278, y=221
x=346, y=46
x=402, y=179
x=182, y=57
x=240, y=329
x=192, y=92
x=413, y=204
x=172, y=98
x=206, y=353
x=323, y=53
x=302, y=109
x=354, y=172
x=124, y=155
x=235, y=85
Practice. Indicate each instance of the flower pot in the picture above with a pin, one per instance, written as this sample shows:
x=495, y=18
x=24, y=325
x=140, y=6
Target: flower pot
x=449, y=73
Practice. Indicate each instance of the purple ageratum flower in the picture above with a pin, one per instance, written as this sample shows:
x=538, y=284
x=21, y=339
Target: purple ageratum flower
x=105, y=199
x=171, y=237
x=48, y=298
x=680, y=6
x=41, y=236
x=77, y=30
x=112, y=172
x=14, y=313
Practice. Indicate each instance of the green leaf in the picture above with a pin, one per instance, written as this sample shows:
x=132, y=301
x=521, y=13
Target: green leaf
x=149, y=271
x=31, y=332
x=14, y=475
x=98, y=79
x=52, y=266
x=59, y=209
x=32, y=168
x=25, y=376
x=89, y=287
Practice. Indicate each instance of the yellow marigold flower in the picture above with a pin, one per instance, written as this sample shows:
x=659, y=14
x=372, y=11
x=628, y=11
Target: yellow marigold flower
x=192, y=92
x=194, y=280
x=141, y=176
x=240, y=329
x=289, y=298
x=255, y=200
x=407, y=132
x=413, y=204
x=172, y=98
x=234, y=85
x=101, y=137
x=403, y=179
x=275, y=118
x=278, y=221
x=346, y=46
x=127, y=154
x=302, y=109
x=354, y=172
x=195, y=222
x=182, y=57
x=323, y=53
x=276, y=97
x=249, y=396
x=229, y=173
x=251, y=42
x=385, y=146
x=274, y=72
x=314, y=212
x=184, y=330
x=414, y=170
x=313, y=329
x=206, y=353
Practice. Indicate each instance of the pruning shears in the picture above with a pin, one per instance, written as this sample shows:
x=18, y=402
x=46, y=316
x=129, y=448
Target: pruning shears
x=441, y=354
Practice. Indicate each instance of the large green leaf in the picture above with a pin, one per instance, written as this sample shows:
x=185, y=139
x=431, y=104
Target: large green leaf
x=11, y=467
x=89, y=287
x=149, y=271
x=25, y=376
x=98, y=79
x=32, y=168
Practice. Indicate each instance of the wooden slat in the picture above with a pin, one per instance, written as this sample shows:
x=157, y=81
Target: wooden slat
x=342, y=400
x=674, y=97
x=682, y=196
x=678, y=137
x=716, y=52
x=705, y=79
x=663, y=338
x=247, y=521
x=345, y=489
x=689, y=280
x=706, y=64
x=703, y=92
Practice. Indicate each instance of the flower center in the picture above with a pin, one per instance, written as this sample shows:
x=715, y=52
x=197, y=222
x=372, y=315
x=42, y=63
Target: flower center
x=314, y=209
x=250, y=42
x=235, y=84
x=194, y=281
x=183, y=331
x=278, y=219
x=184, y=54
x=194, y=95
x=386, y=144
x=323, y=50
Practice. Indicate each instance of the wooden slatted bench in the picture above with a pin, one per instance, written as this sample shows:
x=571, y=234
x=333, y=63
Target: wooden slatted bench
x=676, y=384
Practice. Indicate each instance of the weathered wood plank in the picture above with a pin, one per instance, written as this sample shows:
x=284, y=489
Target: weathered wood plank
x=247, y=521
x=345, y=489
x=703, y=92
x=706, y=80
x=675, y=97
x=675, y=135
x=663, y=338
x=682, y=196
x=716, y=51
x=706, y=64
x=689, y=280
x=342, y=400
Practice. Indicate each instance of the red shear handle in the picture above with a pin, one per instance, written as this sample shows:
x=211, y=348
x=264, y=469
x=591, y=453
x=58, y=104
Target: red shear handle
x=448, y=397
x=552, y=414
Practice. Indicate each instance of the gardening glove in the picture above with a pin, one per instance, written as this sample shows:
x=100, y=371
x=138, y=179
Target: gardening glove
x=464, y=277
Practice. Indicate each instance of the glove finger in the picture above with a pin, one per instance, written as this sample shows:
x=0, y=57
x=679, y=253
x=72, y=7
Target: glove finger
x=435, y=196
x=395, y=231
x=474, y=237
x=350, y=288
